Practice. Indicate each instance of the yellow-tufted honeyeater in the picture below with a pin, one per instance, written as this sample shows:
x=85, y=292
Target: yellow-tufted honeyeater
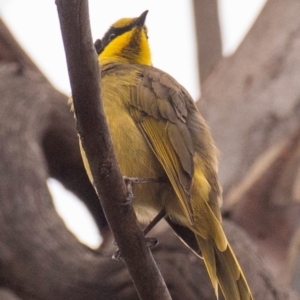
x=158, y=133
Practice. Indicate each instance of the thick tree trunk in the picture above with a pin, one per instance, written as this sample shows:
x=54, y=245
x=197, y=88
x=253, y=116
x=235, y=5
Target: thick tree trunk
x=36, y=248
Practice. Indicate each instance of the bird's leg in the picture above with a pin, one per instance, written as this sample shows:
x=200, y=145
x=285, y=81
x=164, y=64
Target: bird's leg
x=130, y=181
x=151, y=242
x=158, y=217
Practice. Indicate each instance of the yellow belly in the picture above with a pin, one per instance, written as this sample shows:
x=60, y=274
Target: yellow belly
x=136, y=159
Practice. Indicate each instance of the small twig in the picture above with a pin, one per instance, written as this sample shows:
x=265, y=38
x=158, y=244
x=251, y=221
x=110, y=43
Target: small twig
x=92, y=127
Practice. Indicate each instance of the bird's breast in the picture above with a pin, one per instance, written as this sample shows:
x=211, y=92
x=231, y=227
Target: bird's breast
x=134, y=155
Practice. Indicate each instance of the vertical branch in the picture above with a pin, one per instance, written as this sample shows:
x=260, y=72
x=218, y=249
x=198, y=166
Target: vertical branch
x=92, y=127
x=208, y=35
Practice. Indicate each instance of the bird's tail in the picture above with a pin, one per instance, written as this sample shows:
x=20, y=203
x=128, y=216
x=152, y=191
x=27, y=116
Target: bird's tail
x=224, y=271
x=222, y=265
x=206, y=237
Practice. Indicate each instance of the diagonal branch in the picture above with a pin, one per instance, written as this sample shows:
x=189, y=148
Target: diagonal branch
x=11, y=51
x=93, y=130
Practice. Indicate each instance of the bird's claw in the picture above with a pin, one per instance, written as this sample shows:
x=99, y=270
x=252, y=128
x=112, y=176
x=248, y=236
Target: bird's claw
x=151, y=242
x=129, y=182
x=118, y=256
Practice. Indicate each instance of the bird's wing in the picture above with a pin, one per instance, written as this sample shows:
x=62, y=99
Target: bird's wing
x=159, y=107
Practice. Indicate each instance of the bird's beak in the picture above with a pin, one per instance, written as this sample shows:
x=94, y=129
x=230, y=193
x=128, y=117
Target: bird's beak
x=140, y=21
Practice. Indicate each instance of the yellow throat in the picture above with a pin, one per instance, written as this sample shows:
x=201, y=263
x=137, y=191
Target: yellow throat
x=126, y=41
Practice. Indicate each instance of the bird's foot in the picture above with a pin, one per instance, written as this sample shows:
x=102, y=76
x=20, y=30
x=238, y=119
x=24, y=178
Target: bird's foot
x=151, y=242
x=130, y=181
x=118, y=256
x=158, y=217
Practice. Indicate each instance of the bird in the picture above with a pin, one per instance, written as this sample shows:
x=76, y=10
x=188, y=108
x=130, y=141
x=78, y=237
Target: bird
x=161, y=139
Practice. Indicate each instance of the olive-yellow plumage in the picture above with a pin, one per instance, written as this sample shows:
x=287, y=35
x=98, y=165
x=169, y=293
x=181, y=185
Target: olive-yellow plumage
x=158, y=133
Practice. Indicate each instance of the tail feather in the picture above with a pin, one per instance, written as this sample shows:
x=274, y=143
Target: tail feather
x=231, y=279
x=209, y=258
x=244, y=289
x=222, y=266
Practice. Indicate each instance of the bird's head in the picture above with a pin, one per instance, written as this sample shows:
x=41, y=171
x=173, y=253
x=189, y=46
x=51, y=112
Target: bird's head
x=126, y=41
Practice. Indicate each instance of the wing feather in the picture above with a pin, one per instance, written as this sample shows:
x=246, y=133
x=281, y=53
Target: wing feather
x=159, y=108
x=157, y=136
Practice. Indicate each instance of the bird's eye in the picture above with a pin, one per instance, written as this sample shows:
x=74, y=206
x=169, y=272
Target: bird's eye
x=111, y=37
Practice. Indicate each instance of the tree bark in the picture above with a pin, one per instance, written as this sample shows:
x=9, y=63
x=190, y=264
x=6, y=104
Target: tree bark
x=35, y=246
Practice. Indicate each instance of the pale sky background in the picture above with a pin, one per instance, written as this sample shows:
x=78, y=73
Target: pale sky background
x=172, y=38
